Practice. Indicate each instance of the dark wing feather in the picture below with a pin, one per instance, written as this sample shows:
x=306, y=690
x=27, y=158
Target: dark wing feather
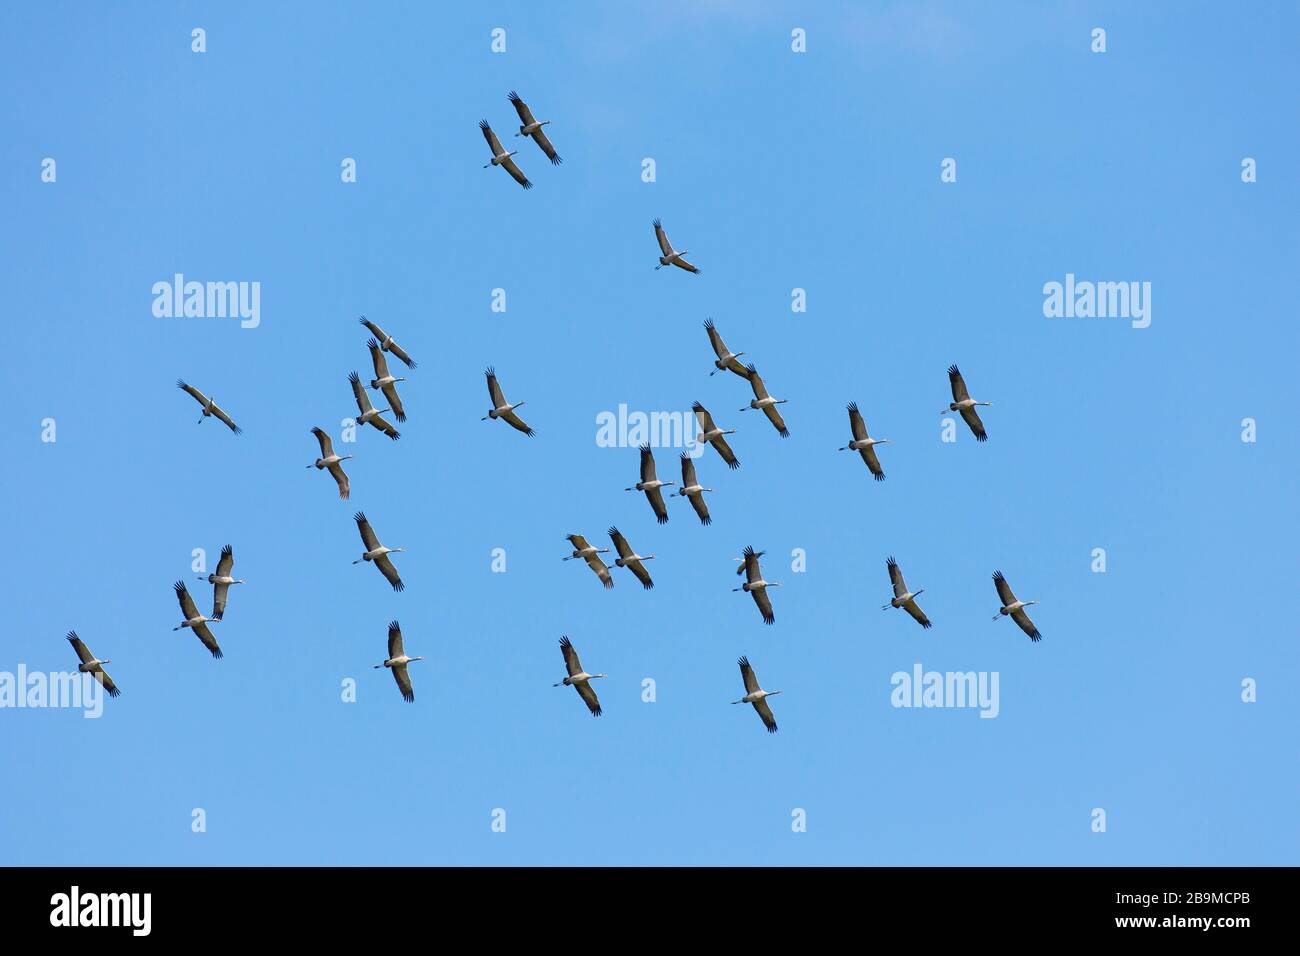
x=588, y=696
x=914, y=609
x=525, y=114
x=210, y=642
x=664, y=245
x=747, y=674
x=642, y=575
x=571, y=662
x=647, y=464
x=191, y=390
x=368, y=536
x=540, y=138
x=188, y=607
x=494, y=389
x=656, y=498
x=775, y=418
x=1026, y=625
x=620, y=543
x=972, y=418
x=873, y=463
x=326, y=445
x=896, y=577
x=720, y=445
x=395, y=646
x=601, y=569
x=221, y=415
x=959, y=393
x=491, y=137
x=394, y=401
x=403, y=678
x=856, y=423
x=389, y=571
x=517, y=423
x=765, y=712
x=1004, y=589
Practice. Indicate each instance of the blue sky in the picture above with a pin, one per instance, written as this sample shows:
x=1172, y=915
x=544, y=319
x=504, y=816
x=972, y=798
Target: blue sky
x=777, y=171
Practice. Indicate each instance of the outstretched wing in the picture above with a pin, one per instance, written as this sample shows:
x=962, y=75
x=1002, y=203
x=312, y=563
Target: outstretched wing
x=601, y=569
x=395, y=646
x=656, y=498
x=377, y=359
x=753, y=571
x=401, y=354
x=403, y=678
x=665, y=246
x=703, y=417
x=359, y=393
x=571, y=662
x=701, y=507
x=494, y=389
x=394, y=401
x=80, y=647
x=516, y=173
x=341, y=476
x=723, y=449
x=765, y=712
x=1026, y=625
x=959, y=393
x=896, y=577
x=221, y=415
x=642, y=575
x=525, y=114
x=226, y=563
x=326, y=446
x=190, y=389
x=385, y=426
x=188, y=607
x=589, y=697
x=1004, y=589
x=106, y=682
x=578, y=541
x=756, y=383
x=368, y=536
x=747, y=674
x=775, y=418
x=715, y=339
x=389, y=571
x=683, y=264
x=210, y=642
x=972, y=418
x=688, y=471
x=764, y=605
x=219, y=595
x=620, y=543
x=856, y=423
x=512, y=419
x=541, y=139
x=873, y=463
x=647, y=464
x=914, y=609
x=491, y=137
x=375, y=330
